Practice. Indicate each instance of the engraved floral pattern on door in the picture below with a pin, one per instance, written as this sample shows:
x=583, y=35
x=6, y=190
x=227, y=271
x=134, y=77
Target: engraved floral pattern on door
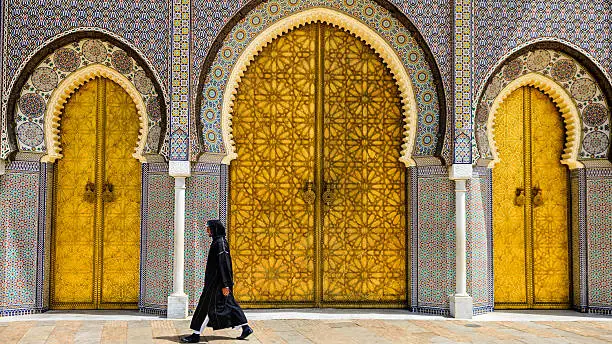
x=96, y=237
x=530, y=228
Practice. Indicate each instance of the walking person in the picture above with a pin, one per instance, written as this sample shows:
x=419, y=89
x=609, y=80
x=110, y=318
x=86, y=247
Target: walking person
x=217, y=307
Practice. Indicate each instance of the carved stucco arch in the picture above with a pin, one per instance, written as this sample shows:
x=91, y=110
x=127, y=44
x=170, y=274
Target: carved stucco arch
x=71, y=84
x=565, y=104
x=348, y=23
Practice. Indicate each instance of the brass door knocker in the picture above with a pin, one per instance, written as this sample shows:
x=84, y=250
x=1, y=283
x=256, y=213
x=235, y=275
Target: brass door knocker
x=90, y=192
x=538, y=200
x=308, y=192
x=328, y=194
x=107, y=193
x=519, y=197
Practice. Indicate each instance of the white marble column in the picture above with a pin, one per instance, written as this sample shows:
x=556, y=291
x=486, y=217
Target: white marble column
x=178, y=300
x=461, y=304
x=2, y=167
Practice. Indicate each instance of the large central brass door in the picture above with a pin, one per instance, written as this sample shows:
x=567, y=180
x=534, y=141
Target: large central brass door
x=97, y=203
x=530, y=228
x=317, y=214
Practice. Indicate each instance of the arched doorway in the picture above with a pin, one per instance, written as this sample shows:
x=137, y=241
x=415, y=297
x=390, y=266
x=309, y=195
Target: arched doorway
x=530, y=204
x=96, y=233
x=317, y=203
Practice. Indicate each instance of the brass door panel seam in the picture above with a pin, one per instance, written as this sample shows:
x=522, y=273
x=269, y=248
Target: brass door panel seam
x=319, y=144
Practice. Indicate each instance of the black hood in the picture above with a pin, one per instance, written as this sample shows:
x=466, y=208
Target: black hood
x=216, y=228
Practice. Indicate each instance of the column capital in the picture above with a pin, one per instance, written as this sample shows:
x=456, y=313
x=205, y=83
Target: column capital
x=460, y=172
x=179, y=168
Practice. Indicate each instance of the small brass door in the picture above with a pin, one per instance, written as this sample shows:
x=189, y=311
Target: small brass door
x=317, y=214
x=530, y=227
x=95, y=258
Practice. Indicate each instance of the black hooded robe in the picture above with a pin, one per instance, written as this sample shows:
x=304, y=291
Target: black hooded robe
x=222, y=311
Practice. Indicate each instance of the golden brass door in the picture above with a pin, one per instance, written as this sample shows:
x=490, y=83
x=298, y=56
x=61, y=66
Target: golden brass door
x=530, y=228
x=96, y=237
x=317, y=215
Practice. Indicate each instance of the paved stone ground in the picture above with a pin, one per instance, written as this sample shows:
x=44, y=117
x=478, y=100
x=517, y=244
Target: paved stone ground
x=317, y=329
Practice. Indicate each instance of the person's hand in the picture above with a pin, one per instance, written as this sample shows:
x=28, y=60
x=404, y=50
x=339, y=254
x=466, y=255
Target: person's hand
x=226, y=291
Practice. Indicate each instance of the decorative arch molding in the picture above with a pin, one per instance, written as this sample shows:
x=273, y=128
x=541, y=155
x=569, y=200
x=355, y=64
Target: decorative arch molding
x=578, y=95
x=73, y=39
x=47, y=88
x=556, y=44
x=347, y=23
x=68, y=86
x=369, y=21
x=564, y=103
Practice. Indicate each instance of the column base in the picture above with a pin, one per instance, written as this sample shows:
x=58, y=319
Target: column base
x=461, y=307
x=177, y=306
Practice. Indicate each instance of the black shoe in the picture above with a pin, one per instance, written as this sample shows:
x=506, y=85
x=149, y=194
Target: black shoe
x=246, y=331
x=193, y=338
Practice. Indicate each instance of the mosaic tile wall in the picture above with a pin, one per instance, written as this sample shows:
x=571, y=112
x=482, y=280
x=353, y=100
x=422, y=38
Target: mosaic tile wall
x=462, y=82
x=202, y=204
x=59, y=65
x=431, y=17
x=502, y=26
x=433, y=241
x=572, y=76
x=369, y=12
x=599, y=239
x=180, y=85
x=20, y=248
x=480, y=240
x=204, y=201
x=157, y=243
x=143, y=24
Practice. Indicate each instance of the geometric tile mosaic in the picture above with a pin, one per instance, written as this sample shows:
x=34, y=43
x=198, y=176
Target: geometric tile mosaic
x=157, y=238
x=599, y=238
x=436, y=242
x=433, y=241
x=462, y=85
x=33, y=24
x=19, y=238
x=369, y=12
x=180, y=75
x=143, y=24
x=60, y=64
x=431, y=18
x=479, y=241
x=583, y=88
x=503, y=26
x=202, y=204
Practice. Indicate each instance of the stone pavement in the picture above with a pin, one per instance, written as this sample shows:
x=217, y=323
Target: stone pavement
x=315, y=326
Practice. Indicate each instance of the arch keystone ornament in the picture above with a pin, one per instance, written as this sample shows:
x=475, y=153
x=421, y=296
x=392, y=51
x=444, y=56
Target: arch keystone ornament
x=64, y=90
x=566, y=106
x=348, y=23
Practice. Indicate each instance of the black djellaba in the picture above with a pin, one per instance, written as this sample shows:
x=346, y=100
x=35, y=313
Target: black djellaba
x=217, y=307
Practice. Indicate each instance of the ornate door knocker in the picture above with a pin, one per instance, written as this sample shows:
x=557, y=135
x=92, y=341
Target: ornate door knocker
x=328, y=194
x=90, y=192
x=519, y=197
x=107, y=193
x=538, y=200
x=308, y=192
